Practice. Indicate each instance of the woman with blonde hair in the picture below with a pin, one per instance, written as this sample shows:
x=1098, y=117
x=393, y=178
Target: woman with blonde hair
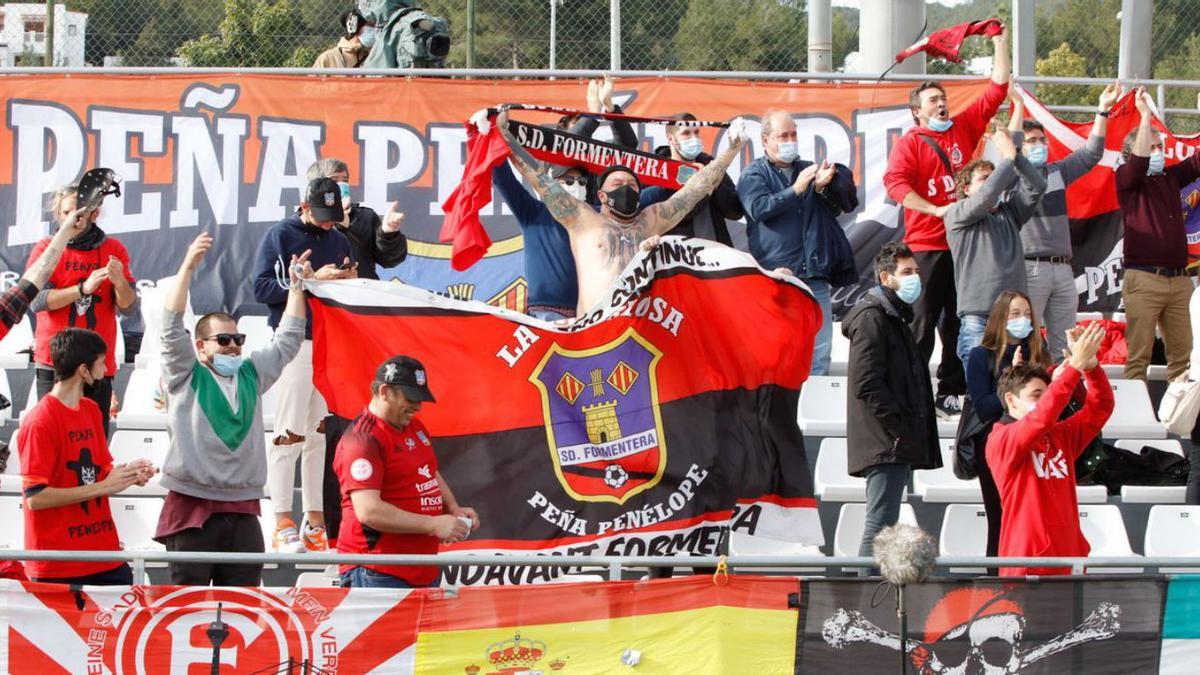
x=1012, y=335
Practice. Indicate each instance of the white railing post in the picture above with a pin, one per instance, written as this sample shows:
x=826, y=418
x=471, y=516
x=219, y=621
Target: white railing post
x=614, y=34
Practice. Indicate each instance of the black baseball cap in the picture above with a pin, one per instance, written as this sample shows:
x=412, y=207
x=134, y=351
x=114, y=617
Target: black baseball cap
x=407, y=374
x=325, y=200
x=618, y=168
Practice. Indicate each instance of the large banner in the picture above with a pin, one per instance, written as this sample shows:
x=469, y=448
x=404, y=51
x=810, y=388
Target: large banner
x=227, y=154
x=636, y=430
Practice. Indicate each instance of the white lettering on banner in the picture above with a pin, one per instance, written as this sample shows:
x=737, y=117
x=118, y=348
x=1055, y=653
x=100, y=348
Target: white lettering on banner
x=1106, y=276
x=583, y=453
x=281, y=140
x=392, y=154
x=196, y=155
x=510, y=354
x=51, y=148
x=114, y=130
x=877, y=131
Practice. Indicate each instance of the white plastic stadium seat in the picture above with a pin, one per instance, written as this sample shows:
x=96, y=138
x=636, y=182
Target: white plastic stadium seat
x=1173, y=532
x=258, y=333
x=831, y=479
x=941, y=485
x=823, y=406
x=964, y=533
x=137, y=519
x=10, y=480
x=11, y=347
x=849, y=531
x=1152, y=494
x=840, y=348
x=315, y=580
x=138, y=410
x=1133, y=416
x=270, y=401
x=152, y=315
x=30, y=400
x=1091, y=494
x=128, y=445
x=1105, y=530
x=6, y=390
x=12, y=535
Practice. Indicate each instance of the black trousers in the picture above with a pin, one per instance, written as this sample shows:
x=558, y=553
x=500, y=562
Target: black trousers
x=1193, y=480
x=121, y=575
x=991, y=504
x=232, y=532
x=100, y=392
x=937, y=311
x=334, y=428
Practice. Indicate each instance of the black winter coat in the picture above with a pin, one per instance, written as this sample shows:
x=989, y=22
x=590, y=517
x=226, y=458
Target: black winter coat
x=371, y=244
x=889, y=400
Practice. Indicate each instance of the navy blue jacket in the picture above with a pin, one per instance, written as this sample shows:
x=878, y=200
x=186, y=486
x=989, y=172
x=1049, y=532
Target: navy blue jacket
x=549, y=263
x=286, y=238
x=799, y=232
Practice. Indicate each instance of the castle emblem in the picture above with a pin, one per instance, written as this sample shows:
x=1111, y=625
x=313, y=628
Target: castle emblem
x=602, y=417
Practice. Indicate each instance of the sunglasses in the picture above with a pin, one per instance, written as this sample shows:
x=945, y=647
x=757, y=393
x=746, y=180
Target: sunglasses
x=224, y=339
x=573, y=180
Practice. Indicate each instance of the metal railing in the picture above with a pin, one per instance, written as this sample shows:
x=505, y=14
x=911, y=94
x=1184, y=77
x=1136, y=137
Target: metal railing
x=615, y=565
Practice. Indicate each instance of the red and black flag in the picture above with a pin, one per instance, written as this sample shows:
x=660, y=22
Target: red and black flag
x=635, y=430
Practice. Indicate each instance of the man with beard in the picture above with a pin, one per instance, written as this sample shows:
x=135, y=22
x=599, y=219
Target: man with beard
x=603, y=243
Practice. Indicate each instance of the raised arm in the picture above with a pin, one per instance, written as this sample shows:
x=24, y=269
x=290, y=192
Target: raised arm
x=566, y=209
x=663, y=216
x=39, y=272
x=1001, y=60
x=1144, y=141
x=1031, y=187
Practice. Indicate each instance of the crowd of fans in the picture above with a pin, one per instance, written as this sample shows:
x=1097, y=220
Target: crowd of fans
x=985, y=260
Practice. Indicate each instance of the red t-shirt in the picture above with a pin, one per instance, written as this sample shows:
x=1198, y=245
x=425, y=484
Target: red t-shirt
x=65, y=448
x=374, y=455
x=914, y=166
x=1033, y=462
x=98, y=314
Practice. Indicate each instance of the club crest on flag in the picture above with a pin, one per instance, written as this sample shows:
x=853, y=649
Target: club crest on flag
x=602, y=417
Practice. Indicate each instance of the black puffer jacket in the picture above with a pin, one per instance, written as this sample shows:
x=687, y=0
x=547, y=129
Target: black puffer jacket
x=889, y=401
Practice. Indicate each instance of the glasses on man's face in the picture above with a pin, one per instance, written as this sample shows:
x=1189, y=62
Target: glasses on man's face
x=224, y=339
x=573, y=180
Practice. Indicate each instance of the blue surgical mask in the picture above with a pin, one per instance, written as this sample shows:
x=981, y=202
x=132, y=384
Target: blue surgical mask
x=690, y=148
x=910, y=288
x=788, y=151
x=367, y=37
x=1037, y=154
x=1158, y=162
x=1019, y=328
x=939, y=124
x=226, y=365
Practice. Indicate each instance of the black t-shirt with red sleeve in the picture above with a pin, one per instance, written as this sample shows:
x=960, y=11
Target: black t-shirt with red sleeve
x=96, y=312
x=65, y=448
x=374, y=455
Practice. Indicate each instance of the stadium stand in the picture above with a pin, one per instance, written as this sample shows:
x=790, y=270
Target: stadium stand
x=1173, y=532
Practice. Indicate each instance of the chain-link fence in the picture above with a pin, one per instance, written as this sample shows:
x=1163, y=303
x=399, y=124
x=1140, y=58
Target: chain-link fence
x=1074, y=37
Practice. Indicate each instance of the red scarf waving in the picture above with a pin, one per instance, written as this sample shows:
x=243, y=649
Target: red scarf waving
x=945, y=43
x=462, y=225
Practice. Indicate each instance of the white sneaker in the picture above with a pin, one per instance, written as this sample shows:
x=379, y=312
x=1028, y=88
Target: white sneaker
x=287, y=538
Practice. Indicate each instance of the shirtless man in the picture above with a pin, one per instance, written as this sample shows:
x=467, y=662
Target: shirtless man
x=603, y=243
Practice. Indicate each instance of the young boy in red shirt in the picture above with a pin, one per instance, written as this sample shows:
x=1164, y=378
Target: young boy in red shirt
x=67, y=472
x=1032, y=454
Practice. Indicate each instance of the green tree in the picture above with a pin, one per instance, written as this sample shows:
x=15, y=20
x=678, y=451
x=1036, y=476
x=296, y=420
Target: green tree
x=742, y=35
x=1063, y=62
x=254, y=33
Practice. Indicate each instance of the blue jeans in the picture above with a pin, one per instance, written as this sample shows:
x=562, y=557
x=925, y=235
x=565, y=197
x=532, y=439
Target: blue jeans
x=362, y=577
x=823, y=347
x=970, y=335
x=885, y=488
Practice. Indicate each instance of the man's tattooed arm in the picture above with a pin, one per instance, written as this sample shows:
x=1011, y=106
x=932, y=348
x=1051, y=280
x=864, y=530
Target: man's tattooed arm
x=663, y=216
x=564, y=207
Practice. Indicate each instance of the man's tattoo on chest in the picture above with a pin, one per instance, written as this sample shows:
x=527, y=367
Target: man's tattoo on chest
x=622, y=243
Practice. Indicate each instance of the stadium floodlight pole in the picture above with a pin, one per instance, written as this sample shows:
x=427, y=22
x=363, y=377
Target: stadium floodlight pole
x=614, y=34
x=820, y=36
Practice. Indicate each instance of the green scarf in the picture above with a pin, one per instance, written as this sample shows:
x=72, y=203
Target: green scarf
x=229, y=426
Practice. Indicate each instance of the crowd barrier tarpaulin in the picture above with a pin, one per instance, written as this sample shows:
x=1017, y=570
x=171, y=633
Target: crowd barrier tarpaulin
x=1050, y=626
x=1096, y=232
x=227, y=154
x=642, y=428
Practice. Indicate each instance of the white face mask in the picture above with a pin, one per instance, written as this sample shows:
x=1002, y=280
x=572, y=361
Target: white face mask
x=577, y=190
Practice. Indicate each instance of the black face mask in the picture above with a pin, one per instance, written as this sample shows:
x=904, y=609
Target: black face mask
x=622, y=201
x=89, y=240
